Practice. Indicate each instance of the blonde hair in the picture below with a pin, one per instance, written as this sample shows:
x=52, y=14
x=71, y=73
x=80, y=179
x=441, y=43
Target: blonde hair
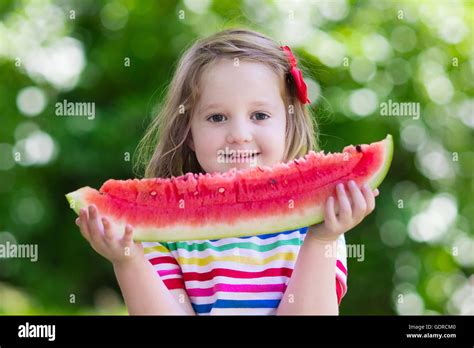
x=164, y=151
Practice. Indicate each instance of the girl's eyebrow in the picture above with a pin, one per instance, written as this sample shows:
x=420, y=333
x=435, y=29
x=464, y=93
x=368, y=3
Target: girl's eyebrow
x=254, y=103
x=209, y=106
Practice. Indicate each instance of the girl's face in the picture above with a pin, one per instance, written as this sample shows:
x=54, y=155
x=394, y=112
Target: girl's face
x=240, y=118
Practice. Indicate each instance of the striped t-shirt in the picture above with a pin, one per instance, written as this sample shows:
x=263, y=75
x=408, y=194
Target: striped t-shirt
x=243, y=275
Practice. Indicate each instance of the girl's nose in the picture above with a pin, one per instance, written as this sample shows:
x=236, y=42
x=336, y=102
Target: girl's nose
x=239, y=133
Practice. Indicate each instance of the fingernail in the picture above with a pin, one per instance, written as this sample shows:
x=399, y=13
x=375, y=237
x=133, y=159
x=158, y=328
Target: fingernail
x=77, y=221
x=340, y=186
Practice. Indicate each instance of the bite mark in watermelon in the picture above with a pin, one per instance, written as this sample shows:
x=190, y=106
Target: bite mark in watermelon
x=236, y=203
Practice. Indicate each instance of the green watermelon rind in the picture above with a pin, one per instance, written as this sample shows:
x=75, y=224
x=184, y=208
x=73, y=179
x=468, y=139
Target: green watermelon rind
x=377, y=179
x=141, y=234
x=74, y=203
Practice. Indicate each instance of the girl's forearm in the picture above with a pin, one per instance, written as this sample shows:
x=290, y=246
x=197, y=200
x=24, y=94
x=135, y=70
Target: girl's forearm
x=311, y=289
x=143, y=291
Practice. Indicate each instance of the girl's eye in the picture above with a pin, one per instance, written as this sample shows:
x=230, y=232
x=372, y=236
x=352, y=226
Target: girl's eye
x=260, y=116
x=216, y=118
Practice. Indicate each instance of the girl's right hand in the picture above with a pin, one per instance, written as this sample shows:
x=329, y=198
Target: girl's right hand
x=98, y=232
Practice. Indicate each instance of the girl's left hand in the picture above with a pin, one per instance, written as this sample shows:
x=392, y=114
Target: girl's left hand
x=353, y=208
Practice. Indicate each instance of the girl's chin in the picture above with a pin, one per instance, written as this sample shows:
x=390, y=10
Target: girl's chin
x=242, y=165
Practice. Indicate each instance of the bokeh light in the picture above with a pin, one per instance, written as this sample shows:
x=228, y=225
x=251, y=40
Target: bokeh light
x=31, y=101
x=376, y=47
x=114, y=15
x=38, y=148
x=431, y=224
x=363, y=102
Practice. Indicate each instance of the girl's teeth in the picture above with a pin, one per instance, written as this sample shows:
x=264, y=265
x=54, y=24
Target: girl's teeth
x=242, y=156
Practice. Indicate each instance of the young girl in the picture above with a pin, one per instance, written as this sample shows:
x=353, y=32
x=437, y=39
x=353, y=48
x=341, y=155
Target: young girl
x=242, y=93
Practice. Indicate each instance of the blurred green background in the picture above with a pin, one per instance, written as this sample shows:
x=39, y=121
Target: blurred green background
x=120, y=55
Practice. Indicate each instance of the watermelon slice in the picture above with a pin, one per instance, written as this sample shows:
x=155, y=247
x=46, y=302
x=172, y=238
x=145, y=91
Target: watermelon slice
x=236, y=203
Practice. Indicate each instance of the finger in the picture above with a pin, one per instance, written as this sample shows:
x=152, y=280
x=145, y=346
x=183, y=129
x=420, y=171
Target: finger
x=359, y=205
x=345, y=211
x=95, y=226
x=376, y=192
x=82, y=223
x=128, y=235
x=108, y=234
x=369, y=197
x=329, y=213
x=127, y=240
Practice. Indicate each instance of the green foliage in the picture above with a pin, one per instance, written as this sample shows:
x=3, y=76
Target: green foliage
x=120, y=55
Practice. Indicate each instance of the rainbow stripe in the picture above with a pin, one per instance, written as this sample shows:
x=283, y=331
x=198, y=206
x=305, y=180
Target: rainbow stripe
x=245, y=275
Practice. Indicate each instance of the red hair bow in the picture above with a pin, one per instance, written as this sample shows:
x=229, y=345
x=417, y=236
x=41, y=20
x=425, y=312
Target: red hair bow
x=301, y=88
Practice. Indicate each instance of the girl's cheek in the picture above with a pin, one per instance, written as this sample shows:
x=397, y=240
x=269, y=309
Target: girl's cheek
x=207, y=145
x=272, y=144
x=203, y=137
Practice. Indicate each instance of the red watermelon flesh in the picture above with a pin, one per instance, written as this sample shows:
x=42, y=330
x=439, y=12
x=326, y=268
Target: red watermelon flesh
x=238, y=202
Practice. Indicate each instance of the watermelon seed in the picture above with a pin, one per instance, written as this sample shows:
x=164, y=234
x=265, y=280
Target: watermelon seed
x=153, y=193
x=221, y=189
x=358, y=148
x=273, y=181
